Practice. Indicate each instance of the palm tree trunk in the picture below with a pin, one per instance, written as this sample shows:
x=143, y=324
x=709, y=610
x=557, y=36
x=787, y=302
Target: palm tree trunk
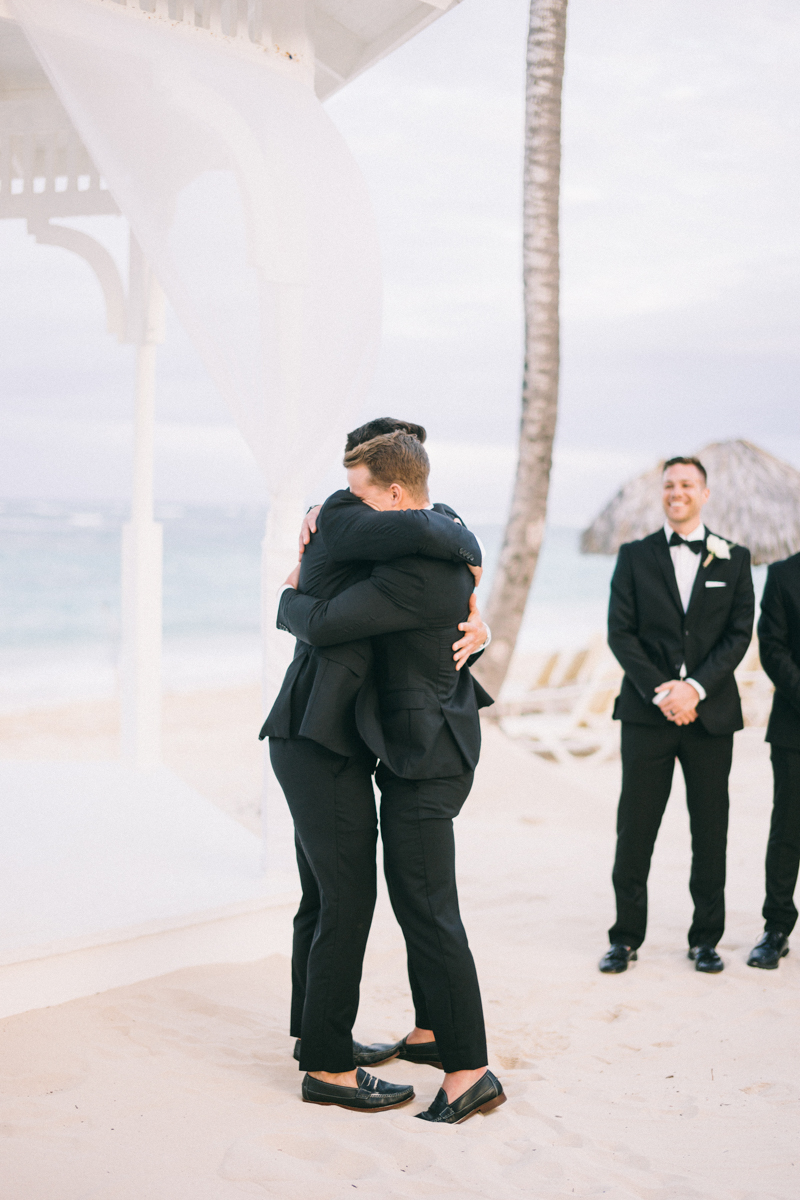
x=540, y=264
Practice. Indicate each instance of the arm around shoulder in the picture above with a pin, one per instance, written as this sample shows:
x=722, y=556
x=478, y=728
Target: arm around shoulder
x=353, y=531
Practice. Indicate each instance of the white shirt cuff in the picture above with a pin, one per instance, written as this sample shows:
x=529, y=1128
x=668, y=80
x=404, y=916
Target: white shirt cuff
x=488, y=641
x=698, y=687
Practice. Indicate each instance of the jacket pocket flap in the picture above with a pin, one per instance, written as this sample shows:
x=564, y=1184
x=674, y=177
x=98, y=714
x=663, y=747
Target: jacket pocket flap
x=403, y=698
x=715, y=583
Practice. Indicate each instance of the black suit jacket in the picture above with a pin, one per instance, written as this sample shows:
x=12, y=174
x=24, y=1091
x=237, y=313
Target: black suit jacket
x=779, y=647
x=415, y=712
x=318, y=695
x=652, y=637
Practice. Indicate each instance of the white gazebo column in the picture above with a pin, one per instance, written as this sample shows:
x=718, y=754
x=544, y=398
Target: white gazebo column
x=289, y=25
x=140, y=661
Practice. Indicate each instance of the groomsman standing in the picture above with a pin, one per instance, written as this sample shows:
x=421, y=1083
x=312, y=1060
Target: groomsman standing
x=779, y=642
x=680, y=620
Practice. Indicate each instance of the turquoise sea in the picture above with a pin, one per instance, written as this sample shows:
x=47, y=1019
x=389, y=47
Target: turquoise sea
x=60, y=597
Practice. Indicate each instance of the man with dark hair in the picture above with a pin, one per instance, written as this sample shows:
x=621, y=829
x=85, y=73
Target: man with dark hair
x=379, y=426
x=779, y=646
x=680, y=620
x=325, y=768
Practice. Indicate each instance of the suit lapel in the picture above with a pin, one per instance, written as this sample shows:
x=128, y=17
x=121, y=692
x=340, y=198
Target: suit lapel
x=664, y=560
x=698, y=587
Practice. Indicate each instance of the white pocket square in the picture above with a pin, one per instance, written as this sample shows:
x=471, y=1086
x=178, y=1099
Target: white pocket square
x=715, y=583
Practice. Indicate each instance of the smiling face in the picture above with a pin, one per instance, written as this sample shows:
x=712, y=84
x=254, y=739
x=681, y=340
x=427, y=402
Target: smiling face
x=683, y=495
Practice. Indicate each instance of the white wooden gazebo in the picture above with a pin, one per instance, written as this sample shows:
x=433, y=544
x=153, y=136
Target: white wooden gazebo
x=116, y=871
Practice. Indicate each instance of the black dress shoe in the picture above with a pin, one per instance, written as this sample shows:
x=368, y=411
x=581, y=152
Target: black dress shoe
x=421, y=1053
x=371, y=1095
x=706, y=959
x=769, y=951
x=364, y=1056
x=483, y=1096
x=616, y=959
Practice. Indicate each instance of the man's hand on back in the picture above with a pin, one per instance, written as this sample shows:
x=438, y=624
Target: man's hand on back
x=293, y=578
x=475, y=635
x=308, y=527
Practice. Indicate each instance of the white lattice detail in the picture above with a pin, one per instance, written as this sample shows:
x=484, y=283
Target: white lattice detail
x=242, y=20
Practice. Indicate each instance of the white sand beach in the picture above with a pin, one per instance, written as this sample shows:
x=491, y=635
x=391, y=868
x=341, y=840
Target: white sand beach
x=659, y=1083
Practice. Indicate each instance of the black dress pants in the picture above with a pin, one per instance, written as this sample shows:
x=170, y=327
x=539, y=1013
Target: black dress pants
x=419, y=862
x=332, y=803
x=783, y=847
x=648, y=762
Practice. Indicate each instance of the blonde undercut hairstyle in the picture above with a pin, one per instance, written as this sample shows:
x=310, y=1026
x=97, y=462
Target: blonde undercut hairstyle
x=394, y=458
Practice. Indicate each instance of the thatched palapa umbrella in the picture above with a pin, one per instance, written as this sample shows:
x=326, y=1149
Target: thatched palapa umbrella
x=755, y=502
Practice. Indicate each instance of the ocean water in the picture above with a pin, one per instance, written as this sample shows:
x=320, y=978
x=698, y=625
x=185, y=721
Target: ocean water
x=60, y=597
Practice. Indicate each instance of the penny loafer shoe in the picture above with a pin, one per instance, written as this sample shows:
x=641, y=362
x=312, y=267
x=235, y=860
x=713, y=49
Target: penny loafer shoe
x=706, y=959
x=483, y=1096
x=421, y=1053
x=371, y=1095
x=364, y=1056
x=616, y=959
x=769, y=950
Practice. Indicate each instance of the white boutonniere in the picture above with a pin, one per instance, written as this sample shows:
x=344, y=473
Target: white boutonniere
x=717, y=547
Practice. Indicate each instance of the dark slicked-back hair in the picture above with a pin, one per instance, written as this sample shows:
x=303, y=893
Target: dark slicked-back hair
x=380, y=426
x=686, y=462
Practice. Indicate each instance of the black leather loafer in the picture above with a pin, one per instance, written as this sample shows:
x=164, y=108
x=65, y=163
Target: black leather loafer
x=616, y=959
x=768, y=952
x=706, y=959
x=371, y=1095
x=364, y=1056
x=483, y=1096
x=421, y=1053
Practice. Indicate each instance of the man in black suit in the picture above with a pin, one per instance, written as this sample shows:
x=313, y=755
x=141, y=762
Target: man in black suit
x=680, y=620
x=325, y=769
x=779, y=645
x=418, y=713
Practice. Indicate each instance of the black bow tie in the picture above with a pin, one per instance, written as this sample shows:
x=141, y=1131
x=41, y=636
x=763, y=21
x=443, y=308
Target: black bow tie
x=696, y=547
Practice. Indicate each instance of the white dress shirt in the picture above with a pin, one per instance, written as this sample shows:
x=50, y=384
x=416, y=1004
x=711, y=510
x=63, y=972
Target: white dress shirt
x=686, y=564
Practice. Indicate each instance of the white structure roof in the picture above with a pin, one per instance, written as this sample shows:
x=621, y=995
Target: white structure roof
x=349, y=35
x=37, y=138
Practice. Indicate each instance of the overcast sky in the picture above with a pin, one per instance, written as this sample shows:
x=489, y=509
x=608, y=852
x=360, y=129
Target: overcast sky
x=680, y=266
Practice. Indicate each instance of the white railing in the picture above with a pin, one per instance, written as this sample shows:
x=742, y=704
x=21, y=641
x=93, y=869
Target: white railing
x=231, y=18
x=46, y=172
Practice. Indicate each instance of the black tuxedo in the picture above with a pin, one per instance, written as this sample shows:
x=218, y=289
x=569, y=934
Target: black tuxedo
x=779, y=646
x=417, y=713
x=325, y=769
x=420, y=716
x=652, y=637
x=318, y=695
x=655, y=641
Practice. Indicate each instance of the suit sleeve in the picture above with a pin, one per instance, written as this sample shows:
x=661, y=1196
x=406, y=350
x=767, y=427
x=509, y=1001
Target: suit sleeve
x=352, y=531
x=773, y=641
x=726, y=654
x=623, y=626
x=389, y=601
